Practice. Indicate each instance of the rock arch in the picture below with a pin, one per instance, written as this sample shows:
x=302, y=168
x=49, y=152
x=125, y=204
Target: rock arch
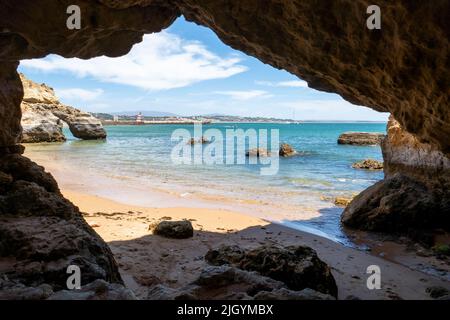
x=404, y=69
x=43, y=116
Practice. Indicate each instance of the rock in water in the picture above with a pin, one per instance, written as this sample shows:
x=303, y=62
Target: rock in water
x=174, y=229
x=298, y=267
x=368, y=164
x=202, y=140
x=342, y=201
x=43, y=116
x=286, y=150
x=257, y=152
x=361, y=138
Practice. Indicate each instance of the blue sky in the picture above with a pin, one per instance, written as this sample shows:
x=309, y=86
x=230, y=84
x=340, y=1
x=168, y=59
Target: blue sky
x=187, y=70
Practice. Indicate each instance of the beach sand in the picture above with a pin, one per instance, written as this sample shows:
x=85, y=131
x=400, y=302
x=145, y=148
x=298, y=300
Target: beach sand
x=146, y=259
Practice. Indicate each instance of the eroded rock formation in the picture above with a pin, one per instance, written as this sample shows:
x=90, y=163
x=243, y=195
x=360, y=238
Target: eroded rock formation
x=415, y=194
x=43, y=116
x=42, y=233
x=298, y=267
x=226, y=282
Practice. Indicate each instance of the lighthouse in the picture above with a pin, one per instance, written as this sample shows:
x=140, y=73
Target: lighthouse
x=139, y=119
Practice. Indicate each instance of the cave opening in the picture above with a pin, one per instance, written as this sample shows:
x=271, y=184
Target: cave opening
x=175, y=78
x=333, y=55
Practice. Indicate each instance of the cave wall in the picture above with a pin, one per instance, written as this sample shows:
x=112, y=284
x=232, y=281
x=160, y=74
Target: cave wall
x=404, y=68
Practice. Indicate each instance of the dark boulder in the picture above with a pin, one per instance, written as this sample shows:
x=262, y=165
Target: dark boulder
x=174, y=229
x=298, y=267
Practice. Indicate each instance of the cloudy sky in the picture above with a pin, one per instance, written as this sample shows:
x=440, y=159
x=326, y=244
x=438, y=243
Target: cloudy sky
x=187, y=70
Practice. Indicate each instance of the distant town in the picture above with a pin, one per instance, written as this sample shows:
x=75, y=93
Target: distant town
x=156, y=117
x=141, y=118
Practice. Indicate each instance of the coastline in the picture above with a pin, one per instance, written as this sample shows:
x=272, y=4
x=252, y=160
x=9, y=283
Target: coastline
x=145, y=259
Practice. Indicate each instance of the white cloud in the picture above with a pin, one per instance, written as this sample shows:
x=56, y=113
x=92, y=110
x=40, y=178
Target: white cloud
x=245, y=95
x=293, y=83
x=79, y=94
x=161, y=61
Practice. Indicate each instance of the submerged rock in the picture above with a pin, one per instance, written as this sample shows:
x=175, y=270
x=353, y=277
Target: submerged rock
x=298, y=267
x=361, y=138
x=286, y=150
x=173, y=229
x=368, y=164
x=43, y=116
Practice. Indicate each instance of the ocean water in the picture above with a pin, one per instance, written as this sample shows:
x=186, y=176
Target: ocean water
x=300, y=195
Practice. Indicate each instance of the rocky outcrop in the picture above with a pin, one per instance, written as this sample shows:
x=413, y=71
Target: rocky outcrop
x=368, y=164
x=43, y=116
x=298, y=267
x=414, y=195
x=231, y=283
x=42, y=233
x=286, y=150
x=39, y=124
x=361, y=138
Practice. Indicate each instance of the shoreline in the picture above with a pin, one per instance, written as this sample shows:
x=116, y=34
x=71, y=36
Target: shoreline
x=145, y=259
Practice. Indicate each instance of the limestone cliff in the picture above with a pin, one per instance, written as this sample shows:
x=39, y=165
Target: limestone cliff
x=415, y=193
x=43, y=116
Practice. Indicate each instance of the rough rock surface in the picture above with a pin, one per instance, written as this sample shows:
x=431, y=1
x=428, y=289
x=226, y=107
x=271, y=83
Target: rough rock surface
x=298, y=267
x=97, y=290
x=415, y=193
x=286, y=150
x=39, y=124
x=43, y=116
x=226, y=282
x=368, y=164
x=173, y=229
x=42, y=233
x=361, y=138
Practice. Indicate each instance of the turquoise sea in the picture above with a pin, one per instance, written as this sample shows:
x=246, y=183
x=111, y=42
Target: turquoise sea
x=301, y=193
